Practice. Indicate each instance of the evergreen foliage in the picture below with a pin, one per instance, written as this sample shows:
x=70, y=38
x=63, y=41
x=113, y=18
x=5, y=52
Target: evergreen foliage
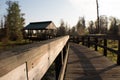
x=114, y=26
x=91, y=28
x=81, y=26
x=103, y=24
x=14, y=21
x=61, y=31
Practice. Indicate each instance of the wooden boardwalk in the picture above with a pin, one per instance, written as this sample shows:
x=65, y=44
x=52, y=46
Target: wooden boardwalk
x=86, y=64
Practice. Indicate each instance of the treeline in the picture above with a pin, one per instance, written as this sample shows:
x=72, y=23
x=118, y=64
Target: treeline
x=107, y=25
x=78, y=29
x=12, y=24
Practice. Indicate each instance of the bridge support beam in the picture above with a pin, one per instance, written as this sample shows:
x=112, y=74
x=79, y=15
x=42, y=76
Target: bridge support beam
x=88, y=42
x=105, y=46
x=58, y=64
x=118, y=55
x=83, y=40
x=96, y=42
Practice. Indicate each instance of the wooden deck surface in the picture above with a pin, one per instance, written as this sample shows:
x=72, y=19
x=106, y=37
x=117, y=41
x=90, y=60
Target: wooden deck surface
x=86, y=64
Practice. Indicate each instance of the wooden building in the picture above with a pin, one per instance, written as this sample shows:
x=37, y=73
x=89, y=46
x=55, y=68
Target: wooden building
x=40, y=30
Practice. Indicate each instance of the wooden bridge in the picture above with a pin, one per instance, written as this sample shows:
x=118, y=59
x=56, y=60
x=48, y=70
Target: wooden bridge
x=86, y=64
x=72, y=61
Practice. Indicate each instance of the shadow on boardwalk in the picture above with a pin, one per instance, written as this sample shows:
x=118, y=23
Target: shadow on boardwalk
x=89, y=69
x=86, y=64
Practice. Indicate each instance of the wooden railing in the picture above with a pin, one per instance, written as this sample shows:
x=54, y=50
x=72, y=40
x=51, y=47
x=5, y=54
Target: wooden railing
x=32, y=62
x=99, y=41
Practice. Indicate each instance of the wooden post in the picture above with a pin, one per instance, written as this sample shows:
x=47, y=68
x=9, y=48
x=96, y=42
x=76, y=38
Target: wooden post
x=88, y=42
x=105, y=46
x=27, y=70
x=118, y=55
x=83, y=40
x=96, y=41
x=62, y=58
x=64, y=51
x=65, y=57
x=58, y=64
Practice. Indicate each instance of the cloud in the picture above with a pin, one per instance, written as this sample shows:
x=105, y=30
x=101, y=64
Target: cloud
x=86, y=8
x=110, y=7
x=83, y=3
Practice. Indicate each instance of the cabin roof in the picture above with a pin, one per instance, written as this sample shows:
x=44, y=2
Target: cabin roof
x=40, y=25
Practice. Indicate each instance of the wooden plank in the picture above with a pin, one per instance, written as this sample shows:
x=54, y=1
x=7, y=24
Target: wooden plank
x=18, y=73
x=62, y=72
x=36, y=69
x=86, y=64
x=38, y=56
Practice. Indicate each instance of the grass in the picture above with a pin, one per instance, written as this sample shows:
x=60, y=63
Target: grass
x=10, y=44
x=111, y=44
x=112, y=56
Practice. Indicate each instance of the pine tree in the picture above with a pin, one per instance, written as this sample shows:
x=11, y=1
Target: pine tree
x=91, y=28
x=114, y=30
x=61, y=30
x=14, y=21
x=2, y=24
x=81, y=26
x=103, y=24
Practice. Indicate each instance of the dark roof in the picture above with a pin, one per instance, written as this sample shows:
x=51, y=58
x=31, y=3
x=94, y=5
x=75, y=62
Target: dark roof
x=38, y=25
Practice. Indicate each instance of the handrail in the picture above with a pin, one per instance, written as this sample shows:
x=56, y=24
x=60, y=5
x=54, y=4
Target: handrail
x=94, y=39
x=31, y=64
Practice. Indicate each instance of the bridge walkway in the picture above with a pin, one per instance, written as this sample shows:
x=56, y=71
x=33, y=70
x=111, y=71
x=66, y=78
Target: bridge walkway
x=86, y=64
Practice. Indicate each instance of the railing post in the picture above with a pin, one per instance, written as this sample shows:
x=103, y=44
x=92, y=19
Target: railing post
x=77, y=40
x=62, y=58
x=88, y=42
x=105, y=46
x=83, y=40
x=96, y=41
x=58, y=64
x=118, y=55
x=65, y=58
x=64, y=52
x=27, y=70
x=73, y=38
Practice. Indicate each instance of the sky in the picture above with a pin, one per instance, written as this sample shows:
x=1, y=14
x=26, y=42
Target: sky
x=67, y=10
